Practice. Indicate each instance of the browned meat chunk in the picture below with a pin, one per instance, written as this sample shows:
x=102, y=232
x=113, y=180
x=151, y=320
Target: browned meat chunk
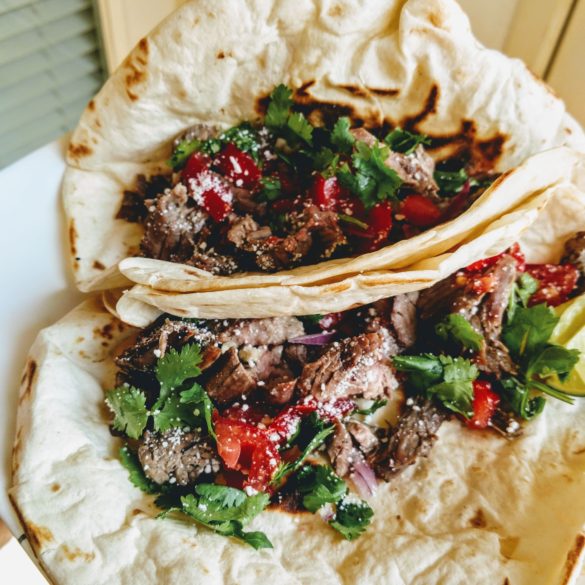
x=172, y=225
x=177, y=457
x=363, y=435
x=411, y=438
x=197, y=132
x=269, y=331
x=352, y=367
x=133, y=207
x=340, y=450
x=403, y=318
x=229, y=379
x=246, y=234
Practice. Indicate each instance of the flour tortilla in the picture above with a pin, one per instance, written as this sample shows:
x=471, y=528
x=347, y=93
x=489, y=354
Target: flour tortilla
x=481, y=509
x=547, y=217
x=413, y=63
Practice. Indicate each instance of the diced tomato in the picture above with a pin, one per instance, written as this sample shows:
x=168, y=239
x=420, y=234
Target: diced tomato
x=325, y=192
x=420, y=211
x=238, y=166
x=380, y=218
x=265, y=461
x=557, y=282
x=485, y=402
x=481, y=284
x=216, y=203
x=351, y=206
x=513, y=251
x=286, y=423
x=196, y=164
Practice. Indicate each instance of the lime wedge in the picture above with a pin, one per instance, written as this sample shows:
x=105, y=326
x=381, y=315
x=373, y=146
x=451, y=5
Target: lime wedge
x=570, y=332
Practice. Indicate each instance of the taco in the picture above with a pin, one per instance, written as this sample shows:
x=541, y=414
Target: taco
x=255, y=144
x=544, y=200
x=422, y=438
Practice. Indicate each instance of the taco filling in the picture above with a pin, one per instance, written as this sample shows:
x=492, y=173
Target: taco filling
x=281, y=192
x=224, y=418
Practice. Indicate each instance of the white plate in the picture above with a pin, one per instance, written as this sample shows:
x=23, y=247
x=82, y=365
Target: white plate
x=36, y=288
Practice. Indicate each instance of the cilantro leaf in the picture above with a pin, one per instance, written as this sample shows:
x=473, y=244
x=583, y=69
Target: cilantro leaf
x=245, y=137
x=326, y=162
x=519, y=400
x=553, y=359
x=524, y=287
x=279, y=107
x=320, y=485
x=226, y=511
x=174, y=414
x=129, y=407
x=444, y=377
x=287, y=468
x=341, y=137
x=300, y=127
x=450, y=182
x=353, y=220
x=352, y=518
x=176, y=367
x=271, y=188
x=404, y=141
x=197, y=396
x=529, y=330
x=457, y=328
x=423, y=370
x=130, y=461
x=376, y=405
x=181, y=152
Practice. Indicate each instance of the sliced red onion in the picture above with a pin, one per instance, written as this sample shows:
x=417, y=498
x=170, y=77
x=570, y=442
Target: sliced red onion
x=314, y=338
x=364, y=479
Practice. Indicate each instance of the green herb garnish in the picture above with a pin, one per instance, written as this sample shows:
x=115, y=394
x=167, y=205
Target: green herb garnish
x=456, y=328
x=404, y=141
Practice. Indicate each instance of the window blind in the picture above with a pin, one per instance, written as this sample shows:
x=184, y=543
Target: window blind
x=50, y=66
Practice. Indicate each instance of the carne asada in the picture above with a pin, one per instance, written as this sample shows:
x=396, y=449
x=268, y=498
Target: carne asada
x=280, y=192
x=298, y=411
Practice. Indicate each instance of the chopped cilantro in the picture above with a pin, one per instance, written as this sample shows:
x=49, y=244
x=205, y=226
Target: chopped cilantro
x=245, y=137
x=174, y=414
x=552, y=360
x=371, y=180
x=448, y=379
x=341, y=137
x=518, y=398
x=529, y=330
x=326, y=162
x=404, y=141
x=524, y=287
x=352, y=518
x=300, y=127
x=176, y=367
x=198, y=398
x=271, y=188
x=455, y=327
x=129, y=407
x=181, y=152
x=319, y=485
x=279, y=107
x=226, y=511
x=136, y=474
x=450, y=182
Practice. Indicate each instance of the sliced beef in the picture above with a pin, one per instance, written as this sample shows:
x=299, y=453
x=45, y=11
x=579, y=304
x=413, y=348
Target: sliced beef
x=363, y=436
x=177, y=457
x=172, y=225
x=229, y=378
x=447, y=296
x=416, y=170
x=403, y=318
x=134, y=208
x=246, y=202
x=165, y=334
x=411, y=438
x=494, y=357
x=316, y=234
x=211, y=261
x=351, y=367
x=269, y=331
x=341, y=450
x=575, y=254
x=245, y=234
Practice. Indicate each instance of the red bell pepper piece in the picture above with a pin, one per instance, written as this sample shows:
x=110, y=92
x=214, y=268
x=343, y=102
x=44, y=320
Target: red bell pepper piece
x=238, y=166
x=325, y=192
x=557, y=282
x=196, y=164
